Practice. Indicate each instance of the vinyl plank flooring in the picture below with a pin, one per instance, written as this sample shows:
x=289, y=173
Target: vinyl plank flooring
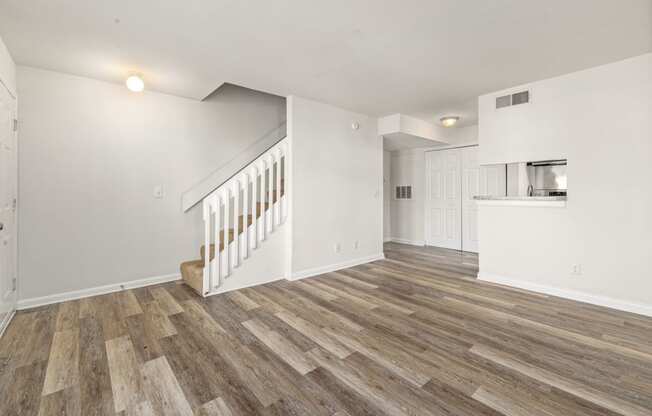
x=316, y=334
x=68, y=316
x=125, y=373
x=163, y=390
x=168, y=304
x=63, y=363
x=96, y=396
x=413, y=334
x=215, y=407
x=288, y=352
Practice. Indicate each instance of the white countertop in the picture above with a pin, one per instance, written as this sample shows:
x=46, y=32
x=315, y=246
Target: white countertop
x=523, y=201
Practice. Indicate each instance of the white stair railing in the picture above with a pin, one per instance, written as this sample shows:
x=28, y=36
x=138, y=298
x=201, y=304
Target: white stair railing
x=258, y=191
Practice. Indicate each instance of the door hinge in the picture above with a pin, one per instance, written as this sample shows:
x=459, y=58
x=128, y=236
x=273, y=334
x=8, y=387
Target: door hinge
x=14, y=204
x=13, y=284
x=15, y=124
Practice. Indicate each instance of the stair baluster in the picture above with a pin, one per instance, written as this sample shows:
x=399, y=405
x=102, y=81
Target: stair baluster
x=256, y=193
x=245, y=216
x=254, y=206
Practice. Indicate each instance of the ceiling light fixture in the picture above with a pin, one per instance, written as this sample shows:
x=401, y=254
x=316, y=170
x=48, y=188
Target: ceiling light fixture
x=135, y=83
x=449, y=121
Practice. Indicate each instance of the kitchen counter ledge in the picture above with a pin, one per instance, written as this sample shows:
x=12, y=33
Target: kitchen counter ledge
x=522, y=201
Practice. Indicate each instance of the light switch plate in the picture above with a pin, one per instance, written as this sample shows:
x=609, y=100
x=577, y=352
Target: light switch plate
x=158, y=192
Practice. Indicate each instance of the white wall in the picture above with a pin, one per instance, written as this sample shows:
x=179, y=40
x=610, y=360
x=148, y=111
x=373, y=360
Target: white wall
x=336, y=186
x=463, y=136
x=387, y=195
x=91, y=154
x=407, y=216
x=601, y=120
x=7, y=69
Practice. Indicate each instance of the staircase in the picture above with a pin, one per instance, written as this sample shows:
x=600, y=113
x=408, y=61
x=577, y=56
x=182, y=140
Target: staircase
x=239, y=217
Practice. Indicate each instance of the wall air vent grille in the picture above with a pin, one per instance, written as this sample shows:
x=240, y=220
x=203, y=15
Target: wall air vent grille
x=522, y=97
x=504, y=101
x=403, y=192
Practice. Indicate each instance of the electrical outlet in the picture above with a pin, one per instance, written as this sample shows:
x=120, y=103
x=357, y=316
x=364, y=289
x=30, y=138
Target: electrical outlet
x=337, y=247
x=356, y=245
x=576, y=269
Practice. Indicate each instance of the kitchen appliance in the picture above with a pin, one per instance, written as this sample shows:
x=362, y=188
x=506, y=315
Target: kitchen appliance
x=547, y=178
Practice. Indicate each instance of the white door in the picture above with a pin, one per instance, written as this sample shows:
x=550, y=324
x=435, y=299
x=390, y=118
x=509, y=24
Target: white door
x=477, y=180
x=8, y=186
x=470, y=188
x=443, y=205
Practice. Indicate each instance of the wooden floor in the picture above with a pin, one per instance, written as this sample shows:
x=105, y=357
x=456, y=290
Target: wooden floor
x=411, y=335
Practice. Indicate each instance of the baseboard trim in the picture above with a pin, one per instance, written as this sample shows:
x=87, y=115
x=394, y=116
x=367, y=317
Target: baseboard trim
x=387, y=239
x=5, y=322
x=419, y=243
x=622, y=305
x=94, y=291
x=334, y=267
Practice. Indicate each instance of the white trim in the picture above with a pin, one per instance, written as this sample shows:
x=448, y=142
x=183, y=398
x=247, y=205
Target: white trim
x=334, y=267
x=420, y=243
x=94, y=291
x=520, y=203
x=5, y=323
x=449, y=147
x=387, y=239
x=618, y=304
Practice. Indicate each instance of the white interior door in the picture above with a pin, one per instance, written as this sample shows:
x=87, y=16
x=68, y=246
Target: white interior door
x=477, y=180
x=8, y=187
x=443, y=207
x=470, y=188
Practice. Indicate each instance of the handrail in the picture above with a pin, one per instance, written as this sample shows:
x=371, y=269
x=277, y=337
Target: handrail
x=231, y=168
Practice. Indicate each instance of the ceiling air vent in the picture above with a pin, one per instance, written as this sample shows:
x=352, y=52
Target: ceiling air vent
x=522, y=97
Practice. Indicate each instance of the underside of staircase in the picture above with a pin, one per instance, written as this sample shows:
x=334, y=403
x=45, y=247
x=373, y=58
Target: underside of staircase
x=254, y=200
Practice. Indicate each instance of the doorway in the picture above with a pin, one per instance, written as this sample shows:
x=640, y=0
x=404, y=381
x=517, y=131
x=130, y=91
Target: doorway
x=453, y=178
x=8, y=188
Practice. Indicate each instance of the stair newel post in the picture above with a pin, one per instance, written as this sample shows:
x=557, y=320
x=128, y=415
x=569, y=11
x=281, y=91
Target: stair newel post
x=277, y=216
x=225, y=231
x=245, y=216
x=263, y=223
x=254, y=207
x=215, y=273
x=270, y=191
x=236, y=222
x=207, y=242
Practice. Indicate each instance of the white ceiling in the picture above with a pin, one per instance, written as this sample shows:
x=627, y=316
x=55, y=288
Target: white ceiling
x=427, y=57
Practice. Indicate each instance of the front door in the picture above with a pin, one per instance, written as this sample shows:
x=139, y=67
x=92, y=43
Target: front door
x=443, y=207
x=8, y=186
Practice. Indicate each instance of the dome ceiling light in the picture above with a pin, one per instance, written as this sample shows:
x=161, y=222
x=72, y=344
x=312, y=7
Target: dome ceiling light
x=135, y=83
x=449, y=121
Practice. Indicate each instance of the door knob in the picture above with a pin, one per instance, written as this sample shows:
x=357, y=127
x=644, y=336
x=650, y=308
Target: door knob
x=2, y=226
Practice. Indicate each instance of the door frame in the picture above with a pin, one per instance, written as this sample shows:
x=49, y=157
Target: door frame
x=426, y=218
x=7, y=319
